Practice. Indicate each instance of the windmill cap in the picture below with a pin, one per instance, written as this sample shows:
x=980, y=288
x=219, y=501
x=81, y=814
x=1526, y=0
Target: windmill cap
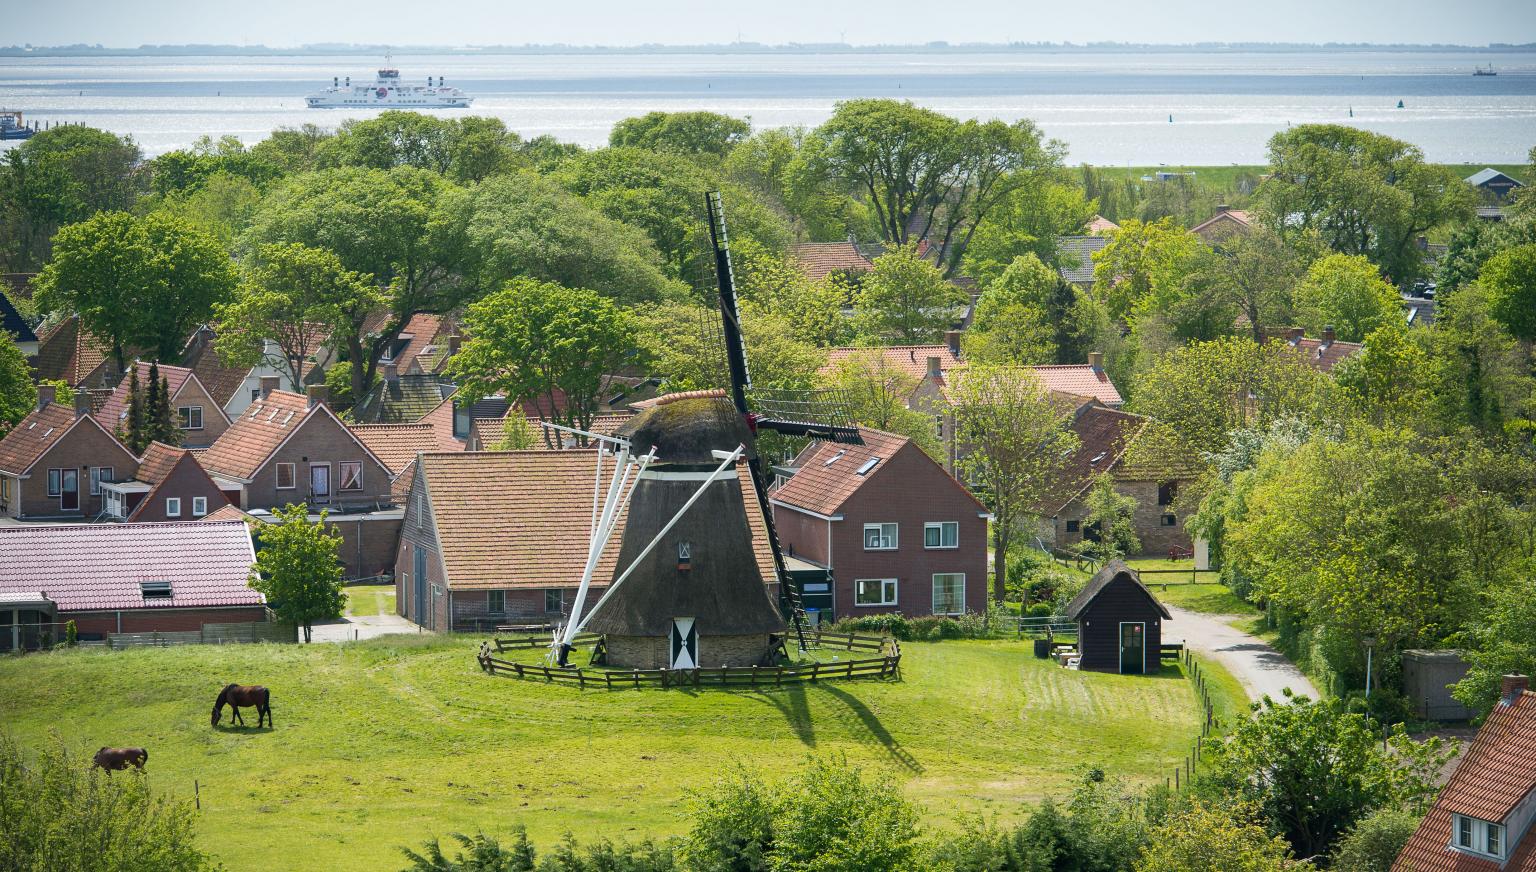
x=685, y=432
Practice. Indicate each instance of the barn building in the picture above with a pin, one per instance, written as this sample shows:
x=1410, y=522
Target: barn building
x=1119, y=622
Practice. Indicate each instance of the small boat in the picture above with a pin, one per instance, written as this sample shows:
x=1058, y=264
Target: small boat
x=1489, y=71
x=12, y=126
x=1399, y=104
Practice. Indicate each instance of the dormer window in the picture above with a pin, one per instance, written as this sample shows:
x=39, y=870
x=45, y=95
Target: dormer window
x=1480, y=837
x=155, y=589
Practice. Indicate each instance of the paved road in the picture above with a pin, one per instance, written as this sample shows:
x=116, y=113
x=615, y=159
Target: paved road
x=1261, y=669
x=361, y=627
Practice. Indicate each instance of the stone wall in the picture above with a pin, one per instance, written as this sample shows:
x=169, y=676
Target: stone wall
x=651, y=652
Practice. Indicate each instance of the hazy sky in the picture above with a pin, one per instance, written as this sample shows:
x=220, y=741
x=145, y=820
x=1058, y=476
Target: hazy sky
x=627, y=22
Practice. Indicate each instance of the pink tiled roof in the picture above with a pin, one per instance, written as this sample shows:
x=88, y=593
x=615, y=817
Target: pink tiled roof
x=113, y=412
x=85, y=567
x=910, y=359
x=817, y=260
x=1081, y=379
x=1101, y=225
x=1497, y=771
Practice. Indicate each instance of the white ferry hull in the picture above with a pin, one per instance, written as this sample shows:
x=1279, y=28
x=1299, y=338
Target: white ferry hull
x=388, y=92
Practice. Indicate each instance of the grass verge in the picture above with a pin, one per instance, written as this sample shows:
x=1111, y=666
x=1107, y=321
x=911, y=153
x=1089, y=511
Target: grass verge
x=365, y=600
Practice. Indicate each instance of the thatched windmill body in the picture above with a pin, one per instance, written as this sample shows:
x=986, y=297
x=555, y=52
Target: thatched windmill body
x=689, y=590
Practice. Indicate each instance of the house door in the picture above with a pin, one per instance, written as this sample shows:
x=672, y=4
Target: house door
x=1133, y=645
x=319, y=481
x=69, y=490
x=419, y=573
x=685, y=644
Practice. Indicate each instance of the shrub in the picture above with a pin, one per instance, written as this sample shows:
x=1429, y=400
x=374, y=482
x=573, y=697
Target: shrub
x=1375, y=841
x=948, y=628
x=1041, y=610
x=71, y=634
x=894, y=624
x=57, y=806
x=485, y=854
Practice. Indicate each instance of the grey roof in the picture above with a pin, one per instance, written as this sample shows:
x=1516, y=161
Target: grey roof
x=404, y=400
x=12, y=322
x=1419, y=311
x=1483, y=177
x=1101, y=579
x=1079, y=250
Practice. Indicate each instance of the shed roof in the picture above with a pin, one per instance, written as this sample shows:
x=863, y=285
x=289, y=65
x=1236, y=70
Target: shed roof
x=86, y=567
x=1489, y=174
x=1111, y=571
x=817, y=260
x=1497, y=771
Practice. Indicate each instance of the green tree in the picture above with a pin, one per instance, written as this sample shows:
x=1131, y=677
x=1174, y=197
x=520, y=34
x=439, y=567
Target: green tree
x=1161, y=270
x=296, y=297
x=1257, y=274
x=1365, y=193
x=143, y=282
x=394, y=225
x=61, y=176
x=1509, y=278
x=1208, y=389
x=1202, y=837
x=1375, y=841
x=1310, y=770
x=56, y=806
x=297, y=568
x=878, y=395
x=517, y=432
x=906, y=300
x=1391, y=379
x=134, y=432
x=158, y=423
x=769, y=281
x=294, y=149
x=1112, y=514
x=1014, y=323
x=1483, y=377
x=223, y=205
x=18, y=396
x=548, y=344
x=1026, y=222
x=1347, y=293
x=393, y=138
x=790, y=167
x=1013, y=439
x=692, y=134
x=682, y=345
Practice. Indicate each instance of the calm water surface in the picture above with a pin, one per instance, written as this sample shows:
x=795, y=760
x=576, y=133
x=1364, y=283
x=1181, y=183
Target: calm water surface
x=1109, y=108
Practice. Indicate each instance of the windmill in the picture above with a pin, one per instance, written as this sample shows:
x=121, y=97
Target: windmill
x=690, y=588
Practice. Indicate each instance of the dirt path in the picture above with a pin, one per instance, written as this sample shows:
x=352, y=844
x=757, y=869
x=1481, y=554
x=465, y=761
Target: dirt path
x=1262, y=670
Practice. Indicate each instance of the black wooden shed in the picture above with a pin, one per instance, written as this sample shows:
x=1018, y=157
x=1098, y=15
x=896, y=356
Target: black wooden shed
x=1119, y=622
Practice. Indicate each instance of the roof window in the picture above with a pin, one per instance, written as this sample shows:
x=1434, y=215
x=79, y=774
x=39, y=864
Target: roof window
x=836, y=457
x=1100, y=456
x=155, y=589
x=867, y=466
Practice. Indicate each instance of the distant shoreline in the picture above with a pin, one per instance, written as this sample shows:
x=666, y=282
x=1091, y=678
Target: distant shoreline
x=758, y=49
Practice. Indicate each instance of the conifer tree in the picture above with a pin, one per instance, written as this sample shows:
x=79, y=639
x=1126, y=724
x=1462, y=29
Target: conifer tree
x=163, y=425
x=133, y=432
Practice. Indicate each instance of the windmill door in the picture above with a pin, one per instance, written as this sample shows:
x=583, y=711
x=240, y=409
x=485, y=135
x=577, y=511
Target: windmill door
x=685, y=645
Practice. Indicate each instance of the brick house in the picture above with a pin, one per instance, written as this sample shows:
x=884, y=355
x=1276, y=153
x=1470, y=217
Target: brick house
x=1105, y=437
x=170, y=485
x=1322, y=354
x=291, y=448
x=52, y=463
x=500, y=537
x=125, y=578
x=1481, y=821
x=200, y=416
x=68, y=353
x=896, y=532
x=1226, y=223
x=234, y=388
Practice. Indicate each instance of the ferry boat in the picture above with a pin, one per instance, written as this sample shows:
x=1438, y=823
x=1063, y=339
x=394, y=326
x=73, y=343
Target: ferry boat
x=1489, y=71
x=387, y=91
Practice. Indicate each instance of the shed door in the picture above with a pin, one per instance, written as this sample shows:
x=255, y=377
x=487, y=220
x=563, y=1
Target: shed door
x=420, y=574
x=685, y=644
x=1133, y=643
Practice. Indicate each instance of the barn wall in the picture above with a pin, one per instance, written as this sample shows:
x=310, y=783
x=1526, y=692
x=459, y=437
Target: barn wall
x=418, y=527
x=367, y=544
x=1099, y=626
x=160, y=620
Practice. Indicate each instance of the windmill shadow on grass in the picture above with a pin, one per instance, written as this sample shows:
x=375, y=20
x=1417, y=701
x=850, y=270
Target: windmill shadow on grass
x=867, y=729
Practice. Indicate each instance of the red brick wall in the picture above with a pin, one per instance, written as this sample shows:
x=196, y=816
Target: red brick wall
x=807, y=534
x=186, y=481
x=85, y=446
x=320, y=440
x=161, y=620
x=1155, y=538
x=214, y=425
x=417, y=530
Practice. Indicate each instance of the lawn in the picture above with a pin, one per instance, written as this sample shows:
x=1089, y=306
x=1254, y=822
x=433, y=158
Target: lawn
x=1206, y=594
x=370, y=599
x=387, y=742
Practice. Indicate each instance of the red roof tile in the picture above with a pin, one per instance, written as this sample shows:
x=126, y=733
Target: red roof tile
x=817, y=260
x=39, y=431
x=1081, y=379
x=114, y=411
x=1103, y=435
x=158, y=461
x=829, y=472
x=909, y=359
x=219, y=379
x=242, y=449
x=86, y=567
x=68, y=352
x=1497, y=771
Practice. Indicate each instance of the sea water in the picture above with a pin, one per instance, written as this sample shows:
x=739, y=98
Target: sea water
x=1110, y=108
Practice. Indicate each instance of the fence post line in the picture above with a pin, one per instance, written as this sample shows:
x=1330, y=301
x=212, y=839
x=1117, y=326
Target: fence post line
x=197, y=796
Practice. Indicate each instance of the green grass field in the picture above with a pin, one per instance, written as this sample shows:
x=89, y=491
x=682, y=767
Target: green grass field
x=386, y=743
x=371, y=599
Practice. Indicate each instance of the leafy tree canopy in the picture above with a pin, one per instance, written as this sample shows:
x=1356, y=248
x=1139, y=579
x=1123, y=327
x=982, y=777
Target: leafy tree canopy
x=1347, y=293
x=905, y=299
x=297, y=568
x=691, y=134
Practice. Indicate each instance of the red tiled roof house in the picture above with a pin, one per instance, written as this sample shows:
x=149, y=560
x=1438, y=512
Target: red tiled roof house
x=897, y=532
x=200, y=416
x=170, y=485
x=52, y=464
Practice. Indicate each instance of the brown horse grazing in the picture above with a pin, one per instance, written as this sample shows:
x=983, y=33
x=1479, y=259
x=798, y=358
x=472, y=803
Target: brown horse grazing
x=120, y=758
x=237, y=695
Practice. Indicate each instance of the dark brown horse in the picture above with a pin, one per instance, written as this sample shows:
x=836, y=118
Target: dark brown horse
x=120, y=758
x=238, y=695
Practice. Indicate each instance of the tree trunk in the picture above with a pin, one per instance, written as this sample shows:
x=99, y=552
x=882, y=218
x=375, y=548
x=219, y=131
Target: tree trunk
x=307, y=638
x=1000, y=537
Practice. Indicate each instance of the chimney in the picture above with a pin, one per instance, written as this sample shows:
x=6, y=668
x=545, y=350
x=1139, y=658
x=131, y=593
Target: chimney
x=391, y=372
x=934, y=370
x=319, y=395
x=1421, y=242
x=1328, y=335
x=453, y=344
x=82, y=404
x=1096, y=361
x=1512, y=686
x=952, y=339
x=46, y=394
x=270, y=383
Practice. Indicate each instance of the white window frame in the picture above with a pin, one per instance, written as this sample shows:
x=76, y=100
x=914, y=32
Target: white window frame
x=941, y=526
x=939, y=575
x=184, y=413
x=100, y=474
x=892, y=542
x=293, y=475
x=887, y=589
x=173, y=507
x=491, y=605
x=341, y=475
x=199, y=506
x=1480, y=830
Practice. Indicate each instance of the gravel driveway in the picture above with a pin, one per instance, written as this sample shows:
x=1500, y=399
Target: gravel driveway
x=1262, y=670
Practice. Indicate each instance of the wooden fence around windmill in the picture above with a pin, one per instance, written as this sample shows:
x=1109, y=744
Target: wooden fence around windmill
x=885, y=666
